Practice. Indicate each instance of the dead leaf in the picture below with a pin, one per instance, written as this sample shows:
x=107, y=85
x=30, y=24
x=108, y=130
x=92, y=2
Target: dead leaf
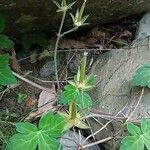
x=126, y=34
x=15, y=65
x=33, y=57
x=47, y=100
x=30, y=103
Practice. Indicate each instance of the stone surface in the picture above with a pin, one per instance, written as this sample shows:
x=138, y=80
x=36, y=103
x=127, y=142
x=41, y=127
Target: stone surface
x=41, y=14
x=144, y=27
x=48, y=69
x=70, y=141
x=115, y=70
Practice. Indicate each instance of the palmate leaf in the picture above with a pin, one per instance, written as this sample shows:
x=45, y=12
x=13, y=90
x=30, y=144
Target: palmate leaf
x=142, y=76
x=6, y=76
x=71, y=93
x=43, y=138
x=138, y=138
x=52, y=124
x=5, y=42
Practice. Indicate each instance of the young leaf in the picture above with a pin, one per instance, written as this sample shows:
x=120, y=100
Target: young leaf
x=71, y=93
x=5, y=42
x=142, y=76
x=73, y=118
x=6, y=76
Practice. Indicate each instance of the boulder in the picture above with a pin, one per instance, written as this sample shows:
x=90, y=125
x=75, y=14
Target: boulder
x=115, y=70
x=31, y=15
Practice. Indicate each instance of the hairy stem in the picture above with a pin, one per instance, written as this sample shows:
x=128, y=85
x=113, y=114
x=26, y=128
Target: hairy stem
x=83, y=68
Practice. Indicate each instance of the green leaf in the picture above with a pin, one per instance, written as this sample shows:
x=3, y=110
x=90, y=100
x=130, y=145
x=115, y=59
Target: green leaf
x=6, y=76
x=30, y=137
x=71, y=93
x=47, y=143
x=52, y=124
x=5, y=42
x=132, y=143
x=23, y=142
x=145, y=125
x=142, y=76
x=21, y=97
x=133, y=129
x=26, y=127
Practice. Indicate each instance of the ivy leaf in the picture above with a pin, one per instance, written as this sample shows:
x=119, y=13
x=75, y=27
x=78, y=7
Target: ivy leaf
x=142, y=76
x=132, y=143
x=52, y=124
x=44, y=138
x=138, y=138
x=133, y=129
x=5, y=42
x=47, y=143
x=26, y=127
x=23, y=142
x=6, y=76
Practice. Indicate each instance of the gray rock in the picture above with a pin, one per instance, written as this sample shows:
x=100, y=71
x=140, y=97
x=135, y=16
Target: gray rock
x=114, y=71
x=70, y=141
x=47, y=70
x=33, y=15
x=143, y=30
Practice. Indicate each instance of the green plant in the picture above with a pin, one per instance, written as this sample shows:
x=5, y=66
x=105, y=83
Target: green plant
x=21, y=98
x=73, y=117
x=139, y=136
x=78, y=21
x=29, y=137
x=76, y=90
x=6, y=76
x=142, y=76
x=52, y=126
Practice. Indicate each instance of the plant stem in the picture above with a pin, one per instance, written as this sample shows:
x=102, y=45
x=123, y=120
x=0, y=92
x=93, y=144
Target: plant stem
x=69, y=31
x=83, y=68
x=56, y=48
x=29, y=82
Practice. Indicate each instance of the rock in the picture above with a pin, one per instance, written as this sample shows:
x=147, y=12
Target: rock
x=115, y=70
x=47, y=70
x=70, y=141
x=144, y=27
x=33, y=15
